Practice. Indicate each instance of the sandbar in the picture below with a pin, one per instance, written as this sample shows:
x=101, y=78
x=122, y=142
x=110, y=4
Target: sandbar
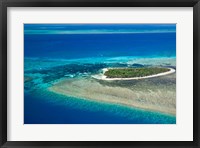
x=156, y=94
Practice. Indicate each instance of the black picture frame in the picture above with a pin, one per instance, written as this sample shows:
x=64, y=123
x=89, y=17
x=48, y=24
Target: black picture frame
x=4, y=4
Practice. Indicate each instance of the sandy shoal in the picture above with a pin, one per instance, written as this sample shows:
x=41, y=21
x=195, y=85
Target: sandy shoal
x=152, y=94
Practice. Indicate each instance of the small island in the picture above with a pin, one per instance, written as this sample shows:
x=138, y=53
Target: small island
x=133, y=73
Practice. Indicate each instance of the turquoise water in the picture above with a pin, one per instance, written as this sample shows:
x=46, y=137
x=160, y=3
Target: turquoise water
x=44, y=107
x=57, y=52
x=62, y=110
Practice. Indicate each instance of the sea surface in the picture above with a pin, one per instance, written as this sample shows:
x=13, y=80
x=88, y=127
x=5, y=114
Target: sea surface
x=70, y=46
x=52, y=57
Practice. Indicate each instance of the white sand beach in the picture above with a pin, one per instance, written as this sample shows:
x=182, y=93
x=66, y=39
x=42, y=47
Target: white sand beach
x=101, y=76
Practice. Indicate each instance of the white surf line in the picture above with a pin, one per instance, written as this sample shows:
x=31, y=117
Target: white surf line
x=103, y=77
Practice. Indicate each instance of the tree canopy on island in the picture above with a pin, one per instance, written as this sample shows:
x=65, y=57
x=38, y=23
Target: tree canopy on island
x=134, y=72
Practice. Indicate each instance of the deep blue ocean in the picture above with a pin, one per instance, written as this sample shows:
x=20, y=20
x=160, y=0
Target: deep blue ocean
x=48, y=55
x=97, y=45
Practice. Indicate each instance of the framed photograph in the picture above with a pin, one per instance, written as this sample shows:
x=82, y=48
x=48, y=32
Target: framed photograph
x=100, y=73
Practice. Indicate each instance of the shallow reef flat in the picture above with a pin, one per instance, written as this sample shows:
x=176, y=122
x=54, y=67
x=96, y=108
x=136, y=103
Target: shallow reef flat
x=155, y=94
x=167, y=61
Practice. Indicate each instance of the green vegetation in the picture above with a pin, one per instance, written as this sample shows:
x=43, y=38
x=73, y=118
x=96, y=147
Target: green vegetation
x=134, y=72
